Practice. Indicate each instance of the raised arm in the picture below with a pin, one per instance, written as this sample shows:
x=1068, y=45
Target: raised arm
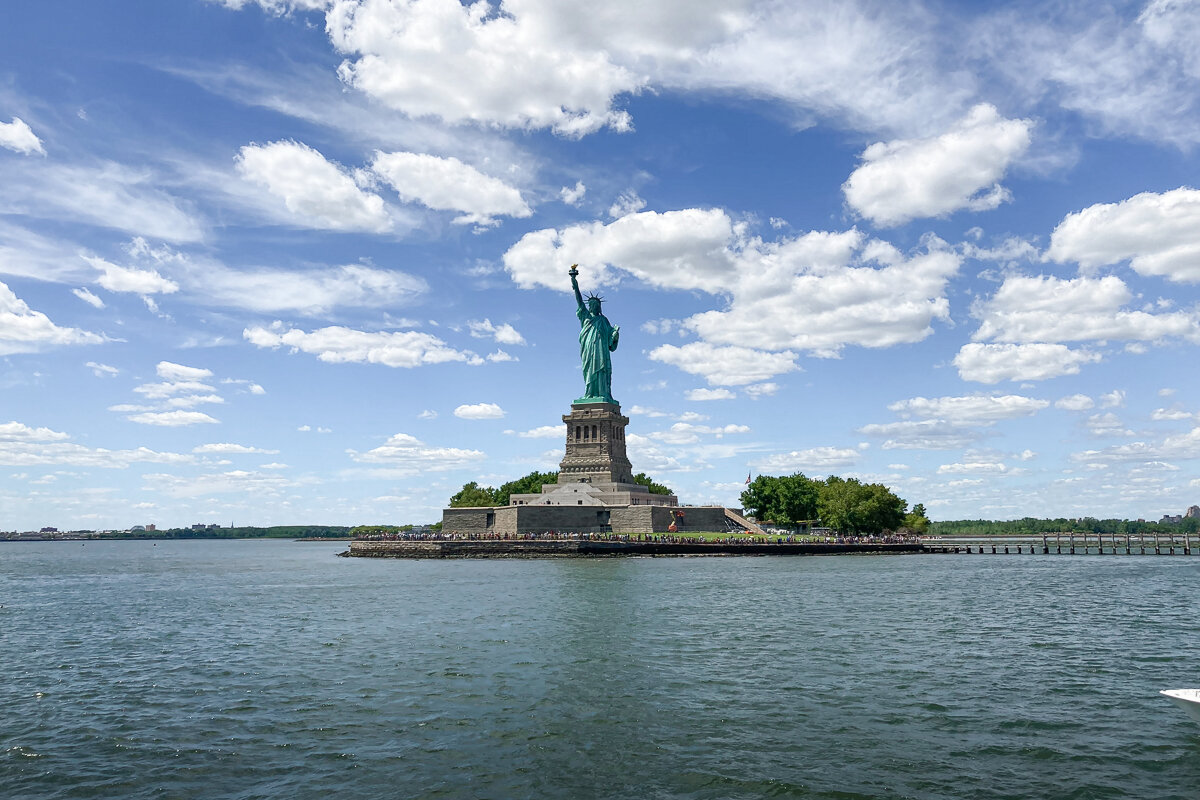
x=574, y=273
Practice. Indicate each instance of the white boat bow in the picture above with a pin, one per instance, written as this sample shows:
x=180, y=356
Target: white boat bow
x=1187, y=699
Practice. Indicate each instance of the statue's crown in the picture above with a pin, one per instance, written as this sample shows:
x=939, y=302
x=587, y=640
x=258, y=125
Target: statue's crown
x=596, y=297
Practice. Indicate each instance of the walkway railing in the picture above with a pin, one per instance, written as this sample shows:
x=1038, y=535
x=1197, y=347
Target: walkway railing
x=1073, y=544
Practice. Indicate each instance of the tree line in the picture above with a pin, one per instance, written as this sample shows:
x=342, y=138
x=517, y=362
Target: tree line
x=244, y=532
x=472, y=495
x=1034, y=526
x=845, y=504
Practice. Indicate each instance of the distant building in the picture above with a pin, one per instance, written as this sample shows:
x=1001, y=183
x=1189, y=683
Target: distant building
x=1193, y=511
x=1172, y=519
x=151, y=527
x=201, y=526
x=49, y=530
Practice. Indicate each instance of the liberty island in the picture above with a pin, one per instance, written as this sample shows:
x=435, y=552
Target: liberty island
x=595, y=492
x=595, y=506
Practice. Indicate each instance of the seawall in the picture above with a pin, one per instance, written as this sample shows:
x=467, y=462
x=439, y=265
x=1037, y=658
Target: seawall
x=520, y=548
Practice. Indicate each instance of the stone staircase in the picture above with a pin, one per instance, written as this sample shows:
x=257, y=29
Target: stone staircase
x=741, y=522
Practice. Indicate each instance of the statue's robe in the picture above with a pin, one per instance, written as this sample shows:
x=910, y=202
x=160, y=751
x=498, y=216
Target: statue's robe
x=595, y=343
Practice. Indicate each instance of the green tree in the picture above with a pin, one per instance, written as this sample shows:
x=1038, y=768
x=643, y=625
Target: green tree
x=655, y=488
x=369, y=530
x=530, y=484
x=472, y=495
x=850, y=506
x=759, y=499
x=781, y=500
x=916, y=520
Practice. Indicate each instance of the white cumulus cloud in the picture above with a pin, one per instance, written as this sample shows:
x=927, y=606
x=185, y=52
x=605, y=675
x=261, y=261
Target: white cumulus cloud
x=228, y=448
x=703, y=395
x=339, y=345
x=542, y=432
x=573, y=196
x=1170, y=415
x=812, y=459
x=906, y=179
x=1049, y=309
x=502, y=333
x=317, y=192
x=19, y=137
x=22, y=445
x=725, y=366
x=1159, y=234
x=1175, y=447
x=439, y=58
x=971, y=409
x=171, y=371
x=1106, y=424
x=1021, y=309
x=926, y=434
x=116, y=278
x=818, y=292
x=1075, y=402
x=1029, y=318
x=992, y=363
x=171, y=419
x=23, y=330
x=824, y=291
x=408, y=452
x=686, y=249
x=947, y=423
x=1113, y=399
x=479, y=411
x=447, y=184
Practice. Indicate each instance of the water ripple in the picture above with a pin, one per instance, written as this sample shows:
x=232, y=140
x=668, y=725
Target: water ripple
x=273, y=670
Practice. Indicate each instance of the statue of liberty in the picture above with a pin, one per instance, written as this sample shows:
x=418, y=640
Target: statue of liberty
x=597, y=338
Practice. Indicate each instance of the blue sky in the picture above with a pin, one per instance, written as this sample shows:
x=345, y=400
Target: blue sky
x=304, y=261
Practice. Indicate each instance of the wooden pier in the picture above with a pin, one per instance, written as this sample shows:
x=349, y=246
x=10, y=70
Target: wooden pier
x=1095, y=544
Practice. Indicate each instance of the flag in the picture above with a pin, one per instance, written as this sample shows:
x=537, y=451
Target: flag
x=747, y=478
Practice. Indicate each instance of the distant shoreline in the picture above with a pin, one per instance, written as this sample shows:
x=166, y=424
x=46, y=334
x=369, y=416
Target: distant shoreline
x=288, y=537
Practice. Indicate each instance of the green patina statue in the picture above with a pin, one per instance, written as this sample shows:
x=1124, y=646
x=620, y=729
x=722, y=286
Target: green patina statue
x=597, y=338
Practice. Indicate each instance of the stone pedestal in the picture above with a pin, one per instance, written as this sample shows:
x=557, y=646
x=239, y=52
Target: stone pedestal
x=595, y=471
x=595, y=445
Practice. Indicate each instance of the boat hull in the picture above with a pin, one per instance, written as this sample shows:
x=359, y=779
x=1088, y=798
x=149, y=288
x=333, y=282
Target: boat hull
x=1187, y=699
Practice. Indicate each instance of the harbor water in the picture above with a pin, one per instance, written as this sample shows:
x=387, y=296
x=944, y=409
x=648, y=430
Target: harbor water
x=269, y=669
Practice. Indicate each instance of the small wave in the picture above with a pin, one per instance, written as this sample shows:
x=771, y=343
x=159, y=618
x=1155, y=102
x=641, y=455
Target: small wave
x=21, y=751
